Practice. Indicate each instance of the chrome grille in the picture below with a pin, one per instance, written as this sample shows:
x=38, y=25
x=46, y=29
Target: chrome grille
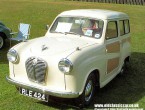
x=36, y=69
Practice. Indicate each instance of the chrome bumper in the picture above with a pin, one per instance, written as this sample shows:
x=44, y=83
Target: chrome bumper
x=42, y=90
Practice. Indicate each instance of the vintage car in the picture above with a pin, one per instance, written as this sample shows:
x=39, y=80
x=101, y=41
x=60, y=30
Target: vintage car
x=4, y=34
x=82, y=50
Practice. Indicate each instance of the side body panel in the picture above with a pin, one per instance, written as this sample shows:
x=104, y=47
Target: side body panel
x=117, y=50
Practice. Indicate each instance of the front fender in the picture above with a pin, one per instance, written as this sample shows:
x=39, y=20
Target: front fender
x=84, y=62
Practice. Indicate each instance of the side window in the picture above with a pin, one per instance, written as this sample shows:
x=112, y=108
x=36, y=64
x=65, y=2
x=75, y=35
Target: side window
x=122, y=29
x=111, y=30
x=127, y=28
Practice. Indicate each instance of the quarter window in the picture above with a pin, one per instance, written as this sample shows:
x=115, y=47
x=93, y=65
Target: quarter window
x=127, y=28
x=124, y=27
x=111, y=30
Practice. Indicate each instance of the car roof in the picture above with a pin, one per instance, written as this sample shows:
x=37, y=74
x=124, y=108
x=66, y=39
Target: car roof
x=95, y=13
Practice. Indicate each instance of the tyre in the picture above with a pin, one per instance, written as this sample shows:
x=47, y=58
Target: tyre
x=124, y=67
x=122, y=70
x=86, y=97
x=1, y=42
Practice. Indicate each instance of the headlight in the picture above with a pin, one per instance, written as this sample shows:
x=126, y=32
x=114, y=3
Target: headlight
x=12, y=55
x=65, y=66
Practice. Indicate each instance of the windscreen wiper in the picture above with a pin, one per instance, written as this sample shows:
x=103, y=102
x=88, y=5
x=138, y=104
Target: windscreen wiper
x=72, y=33
x=58, y=32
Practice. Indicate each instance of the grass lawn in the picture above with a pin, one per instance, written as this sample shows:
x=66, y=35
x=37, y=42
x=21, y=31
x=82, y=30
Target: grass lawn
x=126, y=89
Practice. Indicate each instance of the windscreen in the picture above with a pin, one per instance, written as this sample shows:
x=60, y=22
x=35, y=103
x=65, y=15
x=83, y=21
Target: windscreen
x=80, y=26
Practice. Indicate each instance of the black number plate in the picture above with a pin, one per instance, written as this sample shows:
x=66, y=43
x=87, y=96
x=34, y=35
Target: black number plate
x=33, y=94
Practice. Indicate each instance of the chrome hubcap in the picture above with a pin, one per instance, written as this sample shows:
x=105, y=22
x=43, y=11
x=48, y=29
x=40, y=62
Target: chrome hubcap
x=88, y=91
x=1, y=42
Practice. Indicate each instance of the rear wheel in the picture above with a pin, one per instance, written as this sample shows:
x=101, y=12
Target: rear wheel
x=122, y=69
x=86, y=97
x=1, y=42
x=125, y=66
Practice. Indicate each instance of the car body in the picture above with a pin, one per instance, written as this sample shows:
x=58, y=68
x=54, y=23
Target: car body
x=82, y=49
x=4, y=34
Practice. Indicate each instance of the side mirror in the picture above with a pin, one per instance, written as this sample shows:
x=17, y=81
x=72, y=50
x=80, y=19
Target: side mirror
x=47, y=27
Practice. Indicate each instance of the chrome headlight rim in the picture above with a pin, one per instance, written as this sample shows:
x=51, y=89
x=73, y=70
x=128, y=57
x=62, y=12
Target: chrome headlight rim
x=12, y=56
x=67, y=64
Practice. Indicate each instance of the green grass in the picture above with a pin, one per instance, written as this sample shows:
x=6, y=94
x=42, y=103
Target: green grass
x=127, y=89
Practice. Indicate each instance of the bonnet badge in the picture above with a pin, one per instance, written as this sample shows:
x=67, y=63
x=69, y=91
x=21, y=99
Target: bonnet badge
x=44, y=47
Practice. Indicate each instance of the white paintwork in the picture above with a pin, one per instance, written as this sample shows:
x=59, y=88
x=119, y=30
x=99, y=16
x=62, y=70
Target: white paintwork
x=95, y=13
x=90, y=56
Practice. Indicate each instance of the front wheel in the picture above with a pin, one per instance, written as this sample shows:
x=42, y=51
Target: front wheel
x=86, y=97
x=1, y=42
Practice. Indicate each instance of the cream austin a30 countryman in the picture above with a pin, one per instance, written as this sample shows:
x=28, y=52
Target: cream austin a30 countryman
x=82, y=50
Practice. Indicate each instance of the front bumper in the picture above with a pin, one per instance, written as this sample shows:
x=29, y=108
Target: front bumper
x=43, y=90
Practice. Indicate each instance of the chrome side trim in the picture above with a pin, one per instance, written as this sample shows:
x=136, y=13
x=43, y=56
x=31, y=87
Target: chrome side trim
x=42, y=90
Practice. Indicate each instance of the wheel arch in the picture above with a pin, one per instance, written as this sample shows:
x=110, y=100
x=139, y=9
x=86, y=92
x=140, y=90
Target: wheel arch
x=127, y=59
x=97, y=76
x=81, y=99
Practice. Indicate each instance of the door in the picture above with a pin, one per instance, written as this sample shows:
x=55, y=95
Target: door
x=112, y=49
